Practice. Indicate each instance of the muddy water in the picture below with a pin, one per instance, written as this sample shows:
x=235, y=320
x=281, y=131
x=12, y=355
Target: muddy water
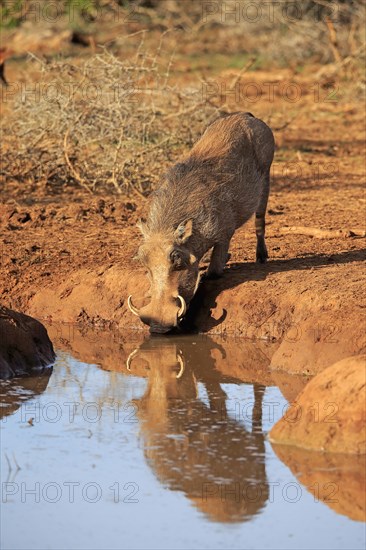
x=162, y=443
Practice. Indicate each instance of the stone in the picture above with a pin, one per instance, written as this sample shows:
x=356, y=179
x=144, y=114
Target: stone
x=25, y=347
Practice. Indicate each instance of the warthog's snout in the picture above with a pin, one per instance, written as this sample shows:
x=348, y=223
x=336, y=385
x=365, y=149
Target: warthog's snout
x=161, y=317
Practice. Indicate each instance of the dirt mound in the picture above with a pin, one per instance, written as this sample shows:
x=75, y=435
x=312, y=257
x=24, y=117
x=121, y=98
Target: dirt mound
x=25, y=347
x=330, y=413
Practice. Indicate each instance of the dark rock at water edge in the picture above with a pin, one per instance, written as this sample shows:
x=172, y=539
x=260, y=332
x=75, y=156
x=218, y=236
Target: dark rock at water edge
x=25, y=347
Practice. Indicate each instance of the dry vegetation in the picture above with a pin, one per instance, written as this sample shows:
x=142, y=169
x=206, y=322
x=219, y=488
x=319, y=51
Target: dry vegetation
x=116, y=117
x=103, y=121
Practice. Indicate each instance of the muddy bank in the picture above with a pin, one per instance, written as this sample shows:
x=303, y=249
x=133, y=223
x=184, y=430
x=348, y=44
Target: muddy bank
x=25, y=347
x=309, y=304
x=297, y=304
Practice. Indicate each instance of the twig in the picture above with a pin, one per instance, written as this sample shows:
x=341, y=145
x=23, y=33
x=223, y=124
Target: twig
x=71, y=168
x=135, y=190
x=118, y=148
x=185, y=111
x=156, y=146
x=246, y=67
x=336, y=66
x=323, y=233
x=333, y=39
x=286, y=124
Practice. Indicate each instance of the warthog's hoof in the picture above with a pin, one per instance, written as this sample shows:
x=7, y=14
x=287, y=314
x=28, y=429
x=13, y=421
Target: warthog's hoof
x=262, y=255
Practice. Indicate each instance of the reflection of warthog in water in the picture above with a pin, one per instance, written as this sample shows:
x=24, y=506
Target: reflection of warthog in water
x=195, y=447
x=201, y=202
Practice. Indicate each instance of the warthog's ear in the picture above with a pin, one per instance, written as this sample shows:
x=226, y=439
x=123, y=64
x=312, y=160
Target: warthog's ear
x=142, y=227
x=183, y=231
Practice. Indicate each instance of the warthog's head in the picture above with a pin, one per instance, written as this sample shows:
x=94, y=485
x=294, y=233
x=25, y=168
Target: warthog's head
x=173, y=273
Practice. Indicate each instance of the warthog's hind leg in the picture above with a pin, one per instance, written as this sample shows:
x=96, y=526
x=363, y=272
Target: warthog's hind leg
x=260, y=224
x=262, y=253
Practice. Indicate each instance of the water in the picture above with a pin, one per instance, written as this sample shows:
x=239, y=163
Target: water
x=108, y=457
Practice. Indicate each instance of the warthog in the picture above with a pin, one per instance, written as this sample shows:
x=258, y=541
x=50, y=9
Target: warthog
x=202, y=200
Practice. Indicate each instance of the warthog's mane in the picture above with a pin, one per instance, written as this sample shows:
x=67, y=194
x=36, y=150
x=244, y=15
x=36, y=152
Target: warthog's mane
x=189, y=189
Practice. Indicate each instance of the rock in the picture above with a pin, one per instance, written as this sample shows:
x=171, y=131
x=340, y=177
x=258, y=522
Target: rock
x=330, y=413
x=25, y=347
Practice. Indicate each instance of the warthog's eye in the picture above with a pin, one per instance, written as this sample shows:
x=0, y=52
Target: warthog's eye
x=177, y=259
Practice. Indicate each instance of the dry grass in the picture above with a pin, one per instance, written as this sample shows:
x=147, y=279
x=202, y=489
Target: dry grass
x=283, y=31
x=102, y=122
x=114, y=122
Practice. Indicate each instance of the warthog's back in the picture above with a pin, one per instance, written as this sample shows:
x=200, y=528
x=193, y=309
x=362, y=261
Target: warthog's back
x=220, y=181
x=235, y=137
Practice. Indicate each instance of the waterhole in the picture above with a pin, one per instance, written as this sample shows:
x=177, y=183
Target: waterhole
x=162, y=443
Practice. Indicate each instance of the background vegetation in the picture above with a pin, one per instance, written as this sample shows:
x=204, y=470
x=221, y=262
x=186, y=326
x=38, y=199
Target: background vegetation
x=122, y=91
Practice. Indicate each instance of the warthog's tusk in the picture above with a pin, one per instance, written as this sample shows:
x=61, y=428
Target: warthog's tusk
x=132, y=307
x=197, y=283
x=129, y=359
x=181, y=363
x=183, y=307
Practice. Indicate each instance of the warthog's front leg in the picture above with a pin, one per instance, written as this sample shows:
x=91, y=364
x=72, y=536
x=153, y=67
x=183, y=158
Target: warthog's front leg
x=219, y=257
